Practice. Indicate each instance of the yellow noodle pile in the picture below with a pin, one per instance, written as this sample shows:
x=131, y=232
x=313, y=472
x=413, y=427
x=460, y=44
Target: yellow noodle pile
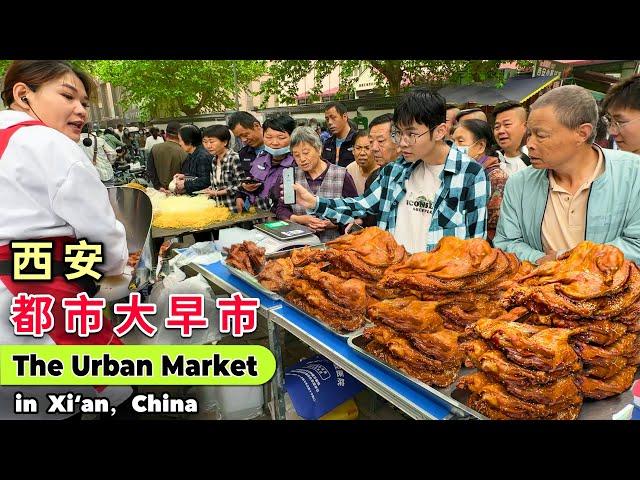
x=136, y=185
x=186, y=212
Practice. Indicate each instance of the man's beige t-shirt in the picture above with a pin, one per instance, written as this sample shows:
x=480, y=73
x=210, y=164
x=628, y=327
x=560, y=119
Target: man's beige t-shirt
x=564, y=222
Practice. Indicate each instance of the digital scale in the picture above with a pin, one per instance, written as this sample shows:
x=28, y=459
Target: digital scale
x=284, y=230
x=269, y=242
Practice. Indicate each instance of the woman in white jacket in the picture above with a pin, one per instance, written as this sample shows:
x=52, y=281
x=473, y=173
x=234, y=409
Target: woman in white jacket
x=50, y=190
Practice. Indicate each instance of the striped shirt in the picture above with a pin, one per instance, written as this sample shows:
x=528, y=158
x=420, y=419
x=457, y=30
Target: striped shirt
x=230, y=175
x=460, y=207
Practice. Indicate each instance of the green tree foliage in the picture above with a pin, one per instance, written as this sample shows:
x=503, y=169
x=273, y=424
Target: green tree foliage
x=391, y=75
x=4, y=64
x=174, y=87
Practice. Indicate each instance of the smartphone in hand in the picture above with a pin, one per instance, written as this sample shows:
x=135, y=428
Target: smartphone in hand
x=289, y=194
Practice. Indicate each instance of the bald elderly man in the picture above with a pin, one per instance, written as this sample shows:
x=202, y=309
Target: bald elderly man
x=471, y=114
x=509, y=129
x=450, y=122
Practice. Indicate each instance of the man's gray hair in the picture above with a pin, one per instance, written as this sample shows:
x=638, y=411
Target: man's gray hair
x=306, y=135
x=573, y=105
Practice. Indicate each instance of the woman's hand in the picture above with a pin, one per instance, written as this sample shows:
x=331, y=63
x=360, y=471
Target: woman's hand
x=239, y=205
x=549, y=257
x=319, y=225
x=358, y=221
x=314, y=223
x=329, y=225
x=180, y=185
x=302, y=219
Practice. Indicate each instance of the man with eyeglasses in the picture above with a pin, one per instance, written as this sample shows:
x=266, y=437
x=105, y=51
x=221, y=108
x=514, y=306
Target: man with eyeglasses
x=575, y=191
x=430, y=192
x=622, y=107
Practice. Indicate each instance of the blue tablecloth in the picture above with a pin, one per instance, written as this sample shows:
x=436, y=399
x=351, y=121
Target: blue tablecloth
x=393, y=381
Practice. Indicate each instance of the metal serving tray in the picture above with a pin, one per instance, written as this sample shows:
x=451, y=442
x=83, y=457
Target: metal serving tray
x=287, y=253
x=321, y=323
x=604, y=409
x=456, y=398
x=449, y=397
x=251, y=280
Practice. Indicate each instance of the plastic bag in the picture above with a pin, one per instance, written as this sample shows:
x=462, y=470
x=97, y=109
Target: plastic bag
x=317, y=386
x=177, y=283
x=203, y=253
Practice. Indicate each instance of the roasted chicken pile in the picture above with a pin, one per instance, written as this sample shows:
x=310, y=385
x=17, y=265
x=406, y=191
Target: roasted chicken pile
x=525, y=371
x=367, y=253
x=364, y=255
x=542, y=338
x=594, y=290
x=277, y=275
x=410, y=336
x=338, y=303
x=455, y=266
x=465, y=277
x=246, y=256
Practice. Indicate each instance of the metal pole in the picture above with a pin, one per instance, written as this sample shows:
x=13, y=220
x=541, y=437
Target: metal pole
x=235, y=85
x=277, y=382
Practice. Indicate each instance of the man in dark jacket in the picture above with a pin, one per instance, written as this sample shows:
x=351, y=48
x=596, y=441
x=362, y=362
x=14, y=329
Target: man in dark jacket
x=248, y=129
x=165, y=159
x=338, y=149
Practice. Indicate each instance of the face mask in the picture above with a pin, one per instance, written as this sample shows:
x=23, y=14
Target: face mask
x=465, y=148
x=275, y=152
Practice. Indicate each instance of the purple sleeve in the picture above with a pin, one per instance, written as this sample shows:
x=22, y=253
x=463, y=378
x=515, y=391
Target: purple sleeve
x=349, y=187
x=283, y=212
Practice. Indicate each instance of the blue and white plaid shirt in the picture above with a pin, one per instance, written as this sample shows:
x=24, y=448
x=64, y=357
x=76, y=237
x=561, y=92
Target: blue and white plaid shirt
x=460, y=208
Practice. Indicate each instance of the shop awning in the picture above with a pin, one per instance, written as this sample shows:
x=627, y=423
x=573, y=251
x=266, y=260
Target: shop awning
x=519, y=89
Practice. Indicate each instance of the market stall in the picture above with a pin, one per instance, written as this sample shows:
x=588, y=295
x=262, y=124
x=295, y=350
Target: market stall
x=465, y=331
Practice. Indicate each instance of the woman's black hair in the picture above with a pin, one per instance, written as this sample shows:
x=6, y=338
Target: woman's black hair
x=35, y=73
x=281, y=123
x=481, y=130
x=221, y=132
x=191, y=135
x=360, y=134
